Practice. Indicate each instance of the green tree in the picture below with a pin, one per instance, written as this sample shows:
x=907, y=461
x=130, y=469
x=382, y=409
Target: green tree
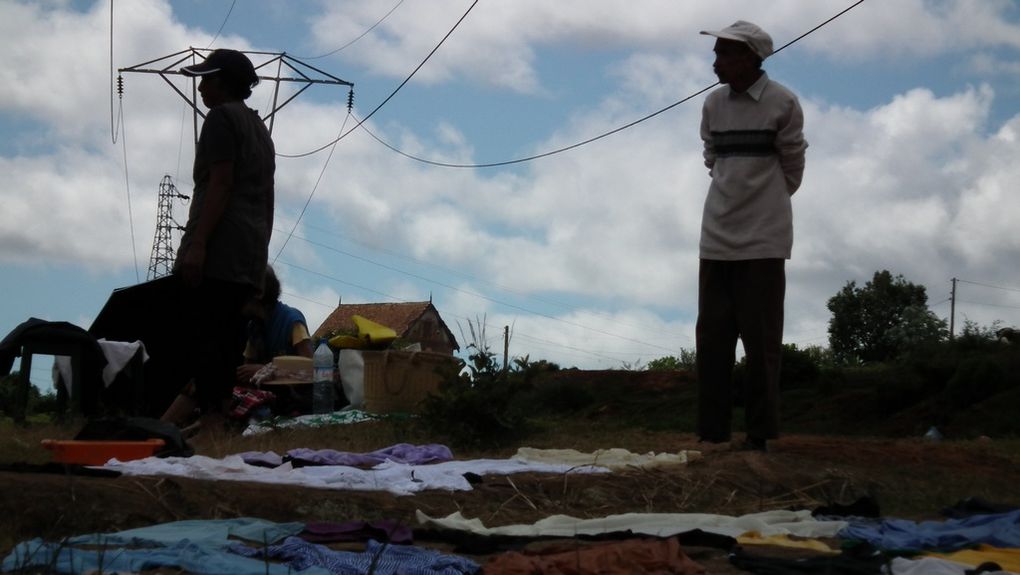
x=881, y=320
x=686, y=361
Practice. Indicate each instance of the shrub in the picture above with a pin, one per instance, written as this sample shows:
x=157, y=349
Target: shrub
x=561, y=397
x=975, y=379
x=480, y=409
x=799, y=368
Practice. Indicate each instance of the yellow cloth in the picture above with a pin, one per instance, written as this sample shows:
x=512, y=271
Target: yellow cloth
x=1007, y=558
x=756, y=538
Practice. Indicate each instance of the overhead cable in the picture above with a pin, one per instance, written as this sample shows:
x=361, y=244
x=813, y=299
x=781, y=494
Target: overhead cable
x=359, y=37
x=393, y=93
x=222, y=24
x=360, y=124
x=989, y=285
x=473, y=278
x=470, y=293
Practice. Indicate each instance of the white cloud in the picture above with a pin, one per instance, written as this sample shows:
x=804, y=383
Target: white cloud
x=918, y=184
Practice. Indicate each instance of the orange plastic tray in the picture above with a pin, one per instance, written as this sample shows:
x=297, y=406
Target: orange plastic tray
x=99, y=452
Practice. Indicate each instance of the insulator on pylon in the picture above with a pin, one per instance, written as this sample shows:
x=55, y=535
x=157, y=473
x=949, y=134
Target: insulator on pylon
x=350, y=100
x=120, y=85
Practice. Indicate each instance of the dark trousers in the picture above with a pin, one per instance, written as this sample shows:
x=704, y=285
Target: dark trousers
x=739, y=299
x=212, y=337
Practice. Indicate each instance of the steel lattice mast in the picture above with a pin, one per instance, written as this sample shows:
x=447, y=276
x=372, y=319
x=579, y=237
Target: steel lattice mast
x=161, y=262
x=288, y=70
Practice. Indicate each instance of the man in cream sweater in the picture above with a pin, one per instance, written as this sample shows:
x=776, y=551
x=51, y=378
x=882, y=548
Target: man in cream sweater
x=752, y=128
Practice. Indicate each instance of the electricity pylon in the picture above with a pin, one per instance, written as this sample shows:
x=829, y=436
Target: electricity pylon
x=161, y=262
x=288, y=70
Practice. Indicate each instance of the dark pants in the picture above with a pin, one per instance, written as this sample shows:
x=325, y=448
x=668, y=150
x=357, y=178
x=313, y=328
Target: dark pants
x=739, y=299
x=212, y=337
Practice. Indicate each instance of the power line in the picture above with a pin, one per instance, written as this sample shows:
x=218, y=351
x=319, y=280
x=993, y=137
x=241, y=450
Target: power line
x=465, y=292
x=487, y=324
x=338, y=280
x=392, y=94
x=586, y=352
x=468, y=276
x=989, y=285
x=392, y=148
x=359, y=37
x=989, y=304
x=127, y=186
x=377, y=108
x=224, y=23
x=535, y=156
x=312, y=193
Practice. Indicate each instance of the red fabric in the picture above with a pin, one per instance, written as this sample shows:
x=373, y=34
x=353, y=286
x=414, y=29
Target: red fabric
x=247, y=399
x=633, y=556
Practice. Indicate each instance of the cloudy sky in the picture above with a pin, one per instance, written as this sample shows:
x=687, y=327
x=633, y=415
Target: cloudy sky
x=590, y=255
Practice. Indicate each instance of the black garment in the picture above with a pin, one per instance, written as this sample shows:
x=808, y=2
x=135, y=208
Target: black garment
x=739, y=299
x=863, y=507
x=976, y=506
x=37, y=331
x=150, y=312
x=470, y=543
x=860, y=560
x=213, y=336
x=138, y=429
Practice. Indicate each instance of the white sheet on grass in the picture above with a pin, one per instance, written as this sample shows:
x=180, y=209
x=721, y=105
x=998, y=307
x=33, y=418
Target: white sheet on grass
x=613, y=458
x=778, y=522
x=396, y=478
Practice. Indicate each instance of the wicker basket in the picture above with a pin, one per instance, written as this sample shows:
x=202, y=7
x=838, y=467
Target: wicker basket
x=398, y=381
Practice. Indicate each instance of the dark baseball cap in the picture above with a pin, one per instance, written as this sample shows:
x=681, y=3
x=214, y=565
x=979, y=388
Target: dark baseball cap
x=229, y=62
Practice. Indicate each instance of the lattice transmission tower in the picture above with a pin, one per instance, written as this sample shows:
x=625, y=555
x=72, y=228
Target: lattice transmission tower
x=277, y=68
x=161, y=262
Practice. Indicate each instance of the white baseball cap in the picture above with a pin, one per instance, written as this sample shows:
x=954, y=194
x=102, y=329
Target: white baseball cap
x=741, y=31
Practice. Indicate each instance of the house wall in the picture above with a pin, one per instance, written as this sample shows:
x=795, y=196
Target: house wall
x=428, y=332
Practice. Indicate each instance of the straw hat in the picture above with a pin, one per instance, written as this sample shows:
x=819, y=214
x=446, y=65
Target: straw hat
x=290, y=370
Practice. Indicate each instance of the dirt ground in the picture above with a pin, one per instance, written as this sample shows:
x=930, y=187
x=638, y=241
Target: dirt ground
x=907, y=478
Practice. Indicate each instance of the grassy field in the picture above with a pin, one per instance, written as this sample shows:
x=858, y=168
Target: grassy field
x=861, y=437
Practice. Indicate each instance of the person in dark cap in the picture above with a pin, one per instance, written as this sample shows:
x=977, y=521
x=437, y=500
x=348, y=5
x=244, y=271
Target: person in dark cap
x=754, y=148
x=225, y=247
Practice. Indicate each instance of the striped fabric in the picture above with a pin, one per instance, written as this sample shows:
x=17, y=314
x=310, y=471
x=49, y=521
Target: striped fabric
x=744, y=143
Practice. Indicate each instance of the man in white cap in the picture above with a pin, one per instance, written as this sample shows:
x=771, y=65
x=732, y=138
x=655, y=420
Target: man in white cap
x=754, y=147
x=225, y=247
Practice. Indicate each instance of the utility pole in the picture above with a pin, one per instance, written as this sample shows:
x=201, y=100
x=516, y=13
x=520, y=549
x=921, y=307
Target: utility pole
x=161, y=262
x=952, y=309
x=506, y=346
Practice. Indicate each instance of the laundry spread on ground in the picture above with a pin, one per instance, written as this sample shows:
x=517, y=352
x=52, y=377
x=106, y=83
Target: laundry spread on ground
x=376, y=558
x=934, y=566
x=778, y=522
x=614, y=458
x=985, y=543
x=646, y=543
x=215, y=532
x=342, y=417
x=607, y=558
x=391, y=476
x=400, y=453
x=1000, y=530
x=1008, y=559
x=189, y=557
x=755, y=538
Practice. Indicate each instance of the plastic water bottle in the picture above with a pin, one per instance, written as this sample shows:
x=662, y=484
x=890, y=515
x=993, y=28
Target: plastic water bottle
x=322, y=380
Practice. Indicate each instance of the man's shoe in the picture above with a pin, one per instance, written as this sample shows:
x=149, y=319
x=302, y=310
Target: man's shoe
x=754, y=444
